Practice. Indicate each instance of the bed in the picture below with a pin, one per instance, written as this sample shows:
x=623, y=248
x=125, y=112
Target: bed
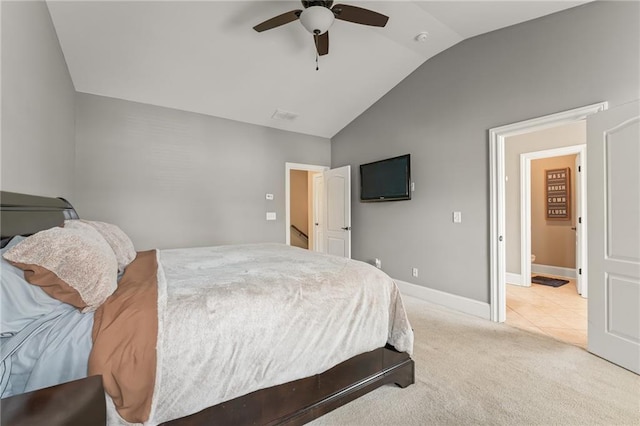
x=246, y=334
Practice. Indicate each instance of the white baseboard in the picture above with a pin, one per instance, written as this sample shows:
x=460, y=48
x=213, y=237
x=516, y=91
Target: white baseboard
x=553, y=270
x=452, y=301
x=515, y=279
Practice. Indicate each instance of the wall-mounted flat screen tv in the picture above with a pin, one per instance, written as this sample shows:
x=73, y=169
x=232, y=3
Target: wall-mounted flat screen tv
x=386, y=180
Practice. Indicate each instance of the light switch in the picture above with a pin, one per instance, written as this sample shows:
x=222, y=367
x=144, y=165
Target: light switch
x=269, y=196
x=271, y=215
x=457, y=217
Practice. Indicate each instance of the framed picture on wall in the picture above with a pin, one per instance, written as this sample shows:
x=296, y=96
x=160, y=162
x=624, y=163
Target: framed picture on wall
x=558, y=191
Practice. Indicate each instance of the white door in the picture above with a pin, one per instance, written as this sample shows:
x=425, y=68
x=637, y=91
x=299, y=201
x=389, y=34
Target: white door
x=337, y=189
x=613, y=144
x=318, y=213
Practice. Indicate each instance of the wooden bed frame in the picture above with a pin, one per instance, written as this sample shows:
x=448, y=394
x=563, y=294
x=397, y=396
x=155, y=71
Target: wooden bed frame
x=82, y=402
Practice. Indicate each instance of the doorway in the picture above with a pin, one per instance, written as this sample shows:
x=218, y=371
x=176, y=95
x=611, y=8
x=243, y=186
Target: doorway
x=542, y=244
x=497, y=141
x=525, y=206
x=553, y=239
x=301, y=204
x=330, y=218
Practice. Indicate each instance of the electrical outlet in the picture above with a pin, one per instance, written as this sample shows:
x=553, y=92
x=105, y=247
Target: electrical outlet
x=414, y=272
x=378, y=263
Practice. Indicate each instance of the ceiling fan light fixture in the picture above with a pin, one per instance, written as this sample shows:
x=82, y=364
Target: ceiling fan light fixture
x=317, y=19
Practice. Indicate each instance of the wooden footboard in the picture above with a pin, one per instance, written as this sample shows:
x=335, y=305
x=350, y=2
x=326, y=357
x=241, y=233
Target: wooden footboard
x=300, y=401
x=82, y=402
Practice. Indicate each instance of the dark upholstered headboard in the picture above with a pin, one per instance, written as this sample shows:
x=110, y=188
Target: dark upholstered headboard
x=23, y=214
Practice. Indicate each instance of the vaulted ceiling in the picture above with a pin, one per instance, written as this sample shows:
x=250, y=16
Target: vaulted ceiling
x=204, y=56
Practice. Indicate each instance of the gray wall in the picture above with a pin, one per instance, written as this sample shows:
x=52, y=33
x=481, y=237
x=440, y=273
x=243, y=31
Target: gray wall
x=37, y=155
x=171, y=178
x=441, y=114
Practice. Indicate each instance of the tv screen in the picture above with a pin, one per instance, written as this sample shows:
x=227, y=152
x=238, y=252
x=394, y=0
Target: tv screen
x=386, y=180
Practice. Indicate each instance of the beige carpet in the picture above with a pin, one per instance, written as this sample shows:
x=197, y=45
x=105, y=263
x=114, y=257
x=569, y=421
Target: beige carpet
x=471, y=371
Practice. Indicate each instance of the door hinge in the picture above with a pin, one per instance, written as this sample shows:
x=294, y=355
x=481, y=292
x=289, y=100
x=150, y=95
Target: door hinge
x=580, y=220
x=580, y=271
x=579, y=168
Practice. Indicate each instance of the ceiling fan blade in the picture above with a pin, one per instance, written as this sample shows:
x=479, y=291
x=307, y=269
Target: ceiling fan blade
x=274, y=22
x=322, y=43
x=359, y=15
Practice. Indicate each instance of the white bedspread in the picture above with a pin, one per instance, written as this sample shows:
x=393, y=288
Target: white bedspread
x=235, y=319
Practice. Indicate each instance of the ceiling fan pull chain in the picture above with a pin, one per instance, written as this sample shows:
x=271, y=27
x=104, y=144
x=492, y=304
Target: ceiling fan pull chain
x=315, y=40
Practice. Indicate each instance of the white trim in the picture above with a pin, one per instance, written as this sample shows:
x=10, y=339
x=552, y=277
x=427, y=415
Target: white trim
x=452, y=301
x=525, y=204
x=554, y=270
x=497, y=136
x=583, y=282
x=287, y=191
x=525, y=218
x=515, y=279
x=497, y=265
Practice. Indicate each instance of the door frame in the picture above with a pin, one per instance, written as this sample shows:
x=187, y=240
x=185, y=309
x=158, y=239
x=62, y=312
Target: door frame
x=287, y=191
x=525, y=210
x=497, y=138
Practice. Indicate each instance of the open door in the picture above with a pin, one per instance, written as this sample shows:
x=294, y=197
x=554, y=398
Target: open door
x=318, y=212
x=613, y=144
x=337, y=202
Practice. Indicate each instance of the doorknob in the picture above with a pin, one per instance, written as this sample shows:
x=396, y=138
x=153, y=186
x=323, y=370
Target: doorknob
x=573, y=228
x=347, y=228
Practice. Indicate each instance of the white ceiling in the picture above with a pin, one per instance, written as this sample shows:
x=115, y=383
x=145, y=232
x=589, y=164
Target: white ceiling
x=204, y=56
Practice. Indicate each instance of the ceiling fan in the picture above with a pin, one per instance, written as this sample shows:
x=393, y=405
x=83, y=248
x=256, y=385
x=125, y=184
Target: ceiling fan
x=318, y=16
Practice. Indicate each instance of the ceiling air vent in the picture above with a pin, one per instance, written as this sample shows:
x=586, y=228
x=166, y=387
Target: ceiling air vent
x=284, y=115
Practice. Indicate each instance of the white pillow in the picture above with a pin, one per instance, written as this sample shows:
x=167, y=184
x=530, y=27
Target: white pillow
x=119, y=241
x=75, y=266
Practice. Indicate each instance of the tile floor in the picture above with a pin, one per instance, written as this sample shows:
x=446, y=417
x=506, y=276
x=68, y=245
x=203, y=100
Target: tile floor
x=559, y=312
